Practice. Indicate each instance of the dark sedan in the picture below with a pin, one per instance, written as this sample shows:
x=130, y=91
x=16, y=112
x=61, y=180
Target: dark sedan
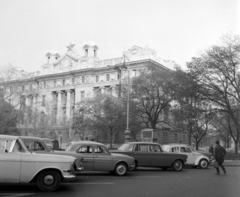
x=149, y=154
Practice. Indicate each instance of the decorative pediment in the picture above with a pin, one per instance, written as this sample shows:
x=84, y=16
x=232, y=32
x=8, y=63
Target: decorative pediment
x=135, y=49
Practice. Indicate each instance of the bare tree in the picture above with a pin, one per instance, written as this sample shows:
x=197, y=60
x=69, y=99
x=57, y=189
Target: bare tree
x=11, y=98
x=217, y=70
x=104, y=111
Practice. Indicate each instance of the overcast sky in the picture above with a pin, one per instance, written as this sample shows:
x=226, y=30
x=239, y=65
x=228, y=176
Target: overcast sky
x=176, y=29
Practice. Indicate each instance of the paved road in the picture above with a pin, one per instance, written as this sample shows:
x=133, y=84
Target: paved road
x=141, y=183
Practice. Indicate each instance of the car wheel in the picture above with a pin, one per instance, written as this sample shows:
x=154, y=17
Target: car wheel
x=203, y=164
x=120, y=169
x=177, y=165
x=48, y=180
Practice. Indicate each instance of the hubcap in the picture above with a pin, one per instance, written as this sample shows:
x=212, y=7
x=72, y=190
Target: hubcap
x=48, y=180
x=178, y=165
x=204, y=164
x=121, y=169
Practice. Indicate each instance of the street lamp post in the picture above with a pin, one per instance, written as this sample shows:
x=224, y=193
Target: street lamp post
x=127, y=131
x=119, y=69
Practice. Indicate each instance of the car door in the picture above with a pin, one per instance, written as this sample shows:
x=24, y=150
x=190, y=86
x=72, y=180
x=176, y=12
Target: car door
x=187, y=151
x=10, y=162
x=102, y=159
x=141, y=154
x=87, y=152
x=157, y=156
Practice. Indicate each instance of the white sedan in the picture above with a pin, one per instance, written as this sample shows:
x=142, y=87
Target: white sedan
x=195, y=159
x=18, y=165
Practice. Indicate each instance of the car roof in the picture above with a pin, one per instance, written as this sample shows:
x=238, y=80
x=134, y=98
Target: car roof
x=9, y=136
x=86, y=142
x=153, y=143
x=30, y=137
x=176, y=144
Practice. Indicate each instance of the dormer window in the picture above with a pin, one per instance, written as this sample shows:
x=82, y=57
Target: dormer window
x=86, y=52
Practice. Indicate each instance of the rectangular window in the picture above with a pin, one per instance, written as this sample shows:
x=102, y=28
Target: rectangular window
x=44, y=84
x=134, y=73
x=54, y=83
x=23, y=88
x=43, y=100
x=63, y=82
x=176, y=137
x=107, y=77
x=118, y=76
x=165, y=137
x=83, y=79
x=73, y=81
x=82, y=95
x=97, y=78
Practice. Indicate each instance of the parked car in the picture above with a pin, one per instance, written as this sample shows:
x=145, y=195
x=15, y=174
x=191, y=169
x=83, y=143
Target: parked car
x=149, y=154
x=18, y=165
x=37, y=145
x=98, y=158
x=52, y=144
x=204, y=151
x=194, y=159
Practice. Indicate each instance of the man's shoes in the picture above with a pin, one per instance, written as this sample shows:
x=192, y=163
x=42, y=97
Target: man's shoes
x=217, y=173
x=224, y=172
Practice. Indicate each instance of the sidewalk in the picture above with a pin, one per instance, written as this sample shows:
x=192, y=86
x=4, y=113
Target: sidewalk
x=231, y=163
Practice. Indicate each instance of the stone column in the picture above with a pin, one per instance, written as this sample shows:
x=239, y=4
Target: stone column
x=68, y=104
x=59, y=110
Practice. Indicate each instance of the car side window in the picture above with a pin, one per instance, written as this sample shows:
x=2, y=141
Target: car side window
x=85, y=149
x=175, y=149
x=185, y=150
x=141, y=148
x=155, y=148
x=100, y=149
x=5, y=145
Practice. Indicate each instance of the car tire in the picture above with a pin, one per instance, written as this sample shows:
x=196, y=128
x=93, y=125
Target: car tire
x=203, y=164
x=120, y=169
x=48, y=180
x=177, y=165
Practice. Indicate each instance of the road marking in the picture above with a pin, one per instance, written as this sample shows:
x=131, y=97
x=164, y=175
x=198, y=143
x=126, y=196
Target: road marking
x=16, y=194
x=90, y=183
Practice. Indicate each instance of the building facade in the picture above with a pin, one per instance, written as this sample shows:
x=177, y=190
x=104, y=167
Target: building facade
x=53, y=93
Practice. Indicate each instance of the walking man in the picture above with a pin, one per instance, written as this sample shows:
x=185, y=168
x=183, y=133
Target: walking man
x=218, y=154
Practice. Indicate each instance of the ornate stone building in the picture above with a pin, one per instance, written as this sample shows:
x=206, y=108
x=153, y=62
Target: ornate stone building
x=68, y=79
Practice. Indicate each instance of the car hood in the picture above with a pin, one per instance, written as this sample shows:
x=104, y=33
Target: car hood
x=50, y=158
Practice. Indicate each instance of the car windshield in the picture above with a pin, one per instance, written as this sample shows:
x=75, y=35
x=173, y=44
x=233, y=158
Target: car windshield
x=126, y=147
x=73, y=147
